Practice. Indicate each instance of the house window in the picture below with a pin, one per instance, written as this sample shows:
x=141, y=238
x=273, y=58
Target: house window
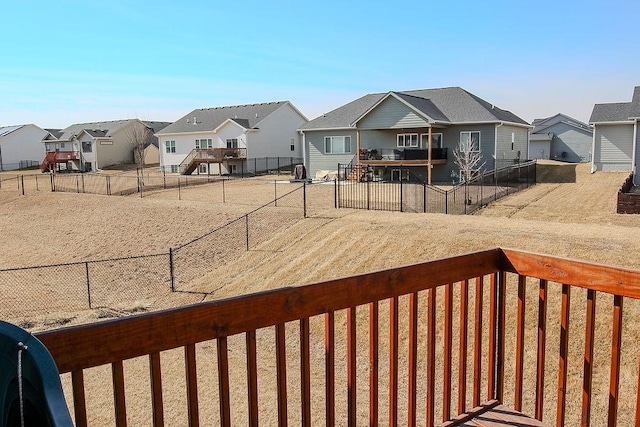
x=204, y=143
x=337, y=144
x=202, y=168
x=408, y=140
x=62, y=145
x=292, y=144
x=436, y=140
x=469, y=141
x=174, y=168
x=86, y=147
x=47, y=147
x=232, y=142
x=170, y=147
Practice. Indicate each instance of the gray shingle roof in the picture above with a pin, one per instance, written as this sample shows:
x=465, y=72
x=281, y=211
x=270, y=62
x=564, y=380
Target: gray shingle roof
x=344, y=116
x=100, y=128
x=540, y=124
x=449, y=105
x=208, y=119
x=613, y=112
x=617, y=111
x=635, y=103
x=56, y=133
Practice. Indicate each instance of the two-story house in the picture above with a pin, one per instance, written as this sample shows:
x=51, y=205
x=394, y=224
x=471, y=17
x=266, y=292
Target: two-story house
x=417, y=130
x=223, y=140
x=91, y=146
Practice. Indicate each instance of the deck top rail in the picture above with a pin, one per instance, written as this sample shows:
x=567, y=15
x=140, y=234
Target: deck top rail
x=424, y=306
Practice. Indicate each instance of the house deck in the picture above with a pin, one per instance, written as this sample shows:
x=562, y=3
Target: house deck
x=487, y=313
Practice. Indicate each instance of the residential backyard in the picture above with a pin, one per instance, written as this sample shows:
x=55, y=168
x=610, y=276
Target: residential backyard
x=572, y=216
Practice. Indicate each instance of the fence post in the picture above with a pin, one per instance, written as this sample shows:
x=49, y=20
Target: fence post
x=86, y=269
x=53, y=185
x=82, y=176
x=446, y=202
x=108, y=179
x=246, y=225
x=401, y=195
x=424, y=197
x=164, y=179
x=37, y=188
x=223, y=193
x=77, y=184
x=466, y=196
x=179, y=195
x=275, y=193
x=304, y=198
x=278, y=163
x=368, y=195
x=22, y=180
x=508, y=180
x=495, y=185
x=171, y=275
x=335, y=192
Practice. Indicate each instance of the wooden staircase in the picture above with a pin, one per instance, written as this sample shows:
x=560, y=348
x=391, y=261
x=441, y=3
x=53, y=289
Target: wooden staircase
x=54, y=157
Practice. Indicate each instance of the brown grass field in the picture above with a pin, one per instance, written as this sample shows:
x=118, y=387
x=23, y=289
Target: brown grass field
x=570, y=213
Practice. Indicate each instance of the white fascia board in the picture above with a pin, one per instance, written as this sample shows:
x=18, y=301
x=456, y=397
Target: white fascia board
x=326, y=129
x=526, y=126
x=174, y=134
x=617, y=122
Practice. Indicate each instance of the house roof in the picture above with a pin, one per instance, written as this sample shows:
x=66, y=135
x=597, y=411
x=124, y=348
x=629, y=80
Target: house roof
x=612, y=112
x=102, y=129
x=448, y=105
x=56, y=133
x=539, y=125
x=6, y=130
x=208, y=119
x=618, y=111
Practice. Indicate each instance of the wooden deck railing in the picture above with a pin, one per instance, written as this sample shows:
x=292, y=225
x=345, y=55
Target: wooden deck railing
x=462, y=332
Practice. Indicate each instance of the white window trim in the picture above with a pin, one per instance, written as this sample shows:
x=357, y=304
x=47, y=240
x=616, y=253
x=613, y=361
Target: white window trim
x=470, y=132
x=207, y=141
x=237, y=140
x=404, y=140
x=345, y=138
x=170, y=146
x=426, y=140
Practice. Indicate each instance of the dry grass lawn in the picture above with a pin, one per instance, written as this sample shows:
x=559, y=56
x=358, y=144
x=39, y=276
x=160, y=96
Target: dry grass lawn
x=573, y=219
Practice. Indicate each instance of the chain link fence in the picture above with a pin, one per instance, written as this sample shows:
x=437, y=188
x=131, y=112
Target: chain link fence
x=135, y=283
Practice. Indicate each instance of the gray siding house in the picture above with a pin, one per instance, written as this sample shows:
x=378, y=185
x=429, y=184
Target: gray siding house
x=415, y=129
x=615, y=136
x=561, y=137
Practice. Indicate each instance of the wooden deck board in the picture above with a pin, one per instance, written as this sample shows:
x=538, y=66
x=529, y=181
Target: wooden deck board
x=493, y=415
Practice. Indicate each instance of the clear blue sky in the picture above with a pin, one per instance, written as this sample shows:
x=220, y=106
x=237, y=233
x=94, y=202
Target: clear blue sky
x=70, y=61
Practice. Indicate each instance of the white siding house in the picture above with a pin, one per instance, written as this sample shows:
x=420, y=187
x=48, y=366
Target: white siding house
x=225, y=140
x=20, y=146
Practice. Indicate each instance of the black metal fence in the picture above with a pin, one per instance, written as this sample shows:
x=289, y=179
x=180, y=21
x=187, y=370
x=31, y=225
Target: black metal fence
x=410, y=194
x=139, y=282
x=256, y=166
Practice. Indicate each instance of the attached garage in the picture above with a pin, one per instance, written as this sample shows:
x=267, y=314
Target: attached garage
x=613, y=147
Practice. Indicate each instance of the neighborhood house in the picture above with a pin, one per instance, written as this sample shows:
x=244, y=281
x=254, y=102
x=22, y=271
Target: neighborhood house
x=86, y=147
x=560, y=137
x=20, y=146
x=222, y=140
x=414, y=132
x=615, y=136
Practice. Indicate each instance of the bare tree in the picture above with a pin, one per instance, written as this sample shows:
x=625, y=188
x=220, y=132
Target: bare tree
x=467, y=157
x=139, y=136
